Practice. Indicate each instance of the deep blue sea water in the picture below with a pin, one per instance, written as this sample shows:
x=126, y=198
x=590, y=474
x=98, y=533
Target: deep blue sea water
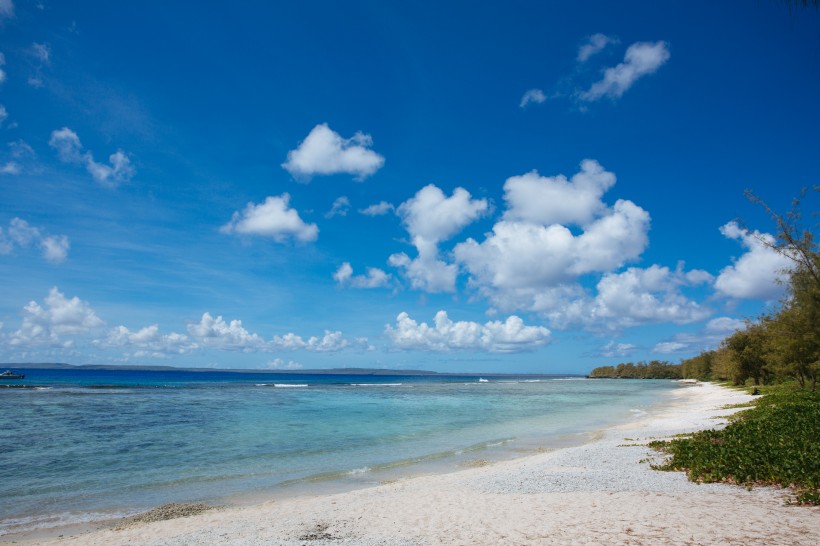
x=87, y=444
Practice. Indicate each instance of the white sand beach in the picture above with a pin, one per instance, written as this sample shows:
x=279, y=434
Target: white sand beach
x=602, y=492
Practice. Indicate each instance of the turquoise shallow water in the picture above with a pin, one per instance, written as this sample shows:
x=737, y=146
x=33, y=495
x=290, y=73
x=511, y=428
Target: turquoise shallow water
x=83, y=444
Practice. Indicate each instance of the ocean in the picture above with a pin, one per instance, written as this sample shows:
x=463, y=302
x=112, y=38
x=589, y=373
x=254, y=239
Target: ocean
x=79, y=445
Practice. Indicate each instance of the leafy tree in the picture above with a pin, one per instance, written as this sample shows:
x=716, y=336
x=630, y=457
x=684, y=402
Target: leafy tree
x=748, y=348
x=792, y=335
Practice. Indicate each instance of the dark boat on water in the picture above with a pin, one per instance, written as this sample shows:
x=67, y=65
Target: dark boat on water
x=8, y=374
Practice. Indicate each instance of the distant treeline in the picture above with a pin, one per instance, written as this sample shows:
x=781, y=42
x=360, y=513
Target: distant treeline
x=654, y=369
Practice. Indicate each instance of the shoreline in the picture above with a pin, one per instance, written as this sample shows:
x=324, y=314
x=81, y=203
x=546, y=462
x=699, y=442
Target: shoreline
x=599, y=492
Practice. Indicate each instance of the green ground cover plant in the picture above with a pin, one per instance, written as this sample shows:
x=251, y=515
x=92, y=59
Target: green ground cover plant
x=777, y=442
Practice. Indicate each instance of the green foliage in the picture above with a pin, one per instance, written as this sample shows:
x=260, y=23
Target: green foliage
x=775, y=443
x=699, y=367
x=655, y=369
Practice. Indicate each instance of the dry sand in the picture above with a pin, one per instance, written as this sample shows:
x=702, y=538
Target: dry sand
x=602, y=492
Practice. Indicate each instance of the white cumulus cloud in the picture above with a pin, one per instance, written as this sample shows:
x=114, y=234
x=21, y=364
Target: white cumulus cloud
x=669, y=347
x=340, y=207
x=756, y=274
x=329, y=342
x=509, y=336
x=232, y=336
x=641, y=59
x=70, y=150
x=58, y=316
x=431, y=217
x=529, y=260
x=708, y=338
x=274, y=218
x=379, y=209
x=556, y=200
x=613, y=349
x=325, y=152
x=642, y=296
x=148, y=341
x=20, y=234
x=375, y=278
x=280, y=364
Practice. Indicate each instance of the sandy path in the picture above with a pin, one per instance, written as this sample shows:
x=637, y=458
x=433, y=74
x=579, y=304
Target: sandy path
x=598, y=493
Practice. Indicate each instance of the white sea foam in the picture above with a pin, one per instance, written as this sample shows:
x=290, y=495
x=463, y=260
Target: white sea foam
x=290, y=385
x=357, y=471
x=376, y=384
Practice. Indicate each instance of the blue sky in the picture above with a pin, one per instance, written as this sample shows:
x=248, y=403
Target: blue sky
x=454, y=186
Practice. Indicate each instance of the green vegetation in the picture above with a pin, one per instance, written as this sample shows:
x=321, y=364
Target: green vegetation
x=655, y=369
x=775, y=443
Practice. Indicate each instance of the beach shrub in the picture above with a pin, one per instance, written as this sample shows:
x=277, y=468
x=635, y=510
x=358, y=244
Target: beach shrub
x=777, y=442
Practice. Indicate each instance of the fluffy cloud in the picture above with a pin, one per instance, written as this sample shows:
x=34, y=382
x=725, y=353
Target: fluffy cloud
x=340, y=207
x=756, y=273
x=595, y=44
x=279, y=364
x=533, y=261
x=20, y=234
x=20, y=153
x=3, y=114
x=2, y=57
x=55, y=248
x=215, y=332
x=273, y=218
x=43, y=325
x=669, y=347
x=641, y=58
x=379, y=209
x=509, y=336
x=70, y=150
x=724, y=326
x=643, y=296
x=709, y=337
x=11, y=167
x=526, y=255
x=556, y=200
x=431, y=217
x=375, y=277
x=232, y=336
x=533, y=95
x=325, y=152
x=149, y=341
x=426, y=272
x=330, y=342
x=613, y=349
